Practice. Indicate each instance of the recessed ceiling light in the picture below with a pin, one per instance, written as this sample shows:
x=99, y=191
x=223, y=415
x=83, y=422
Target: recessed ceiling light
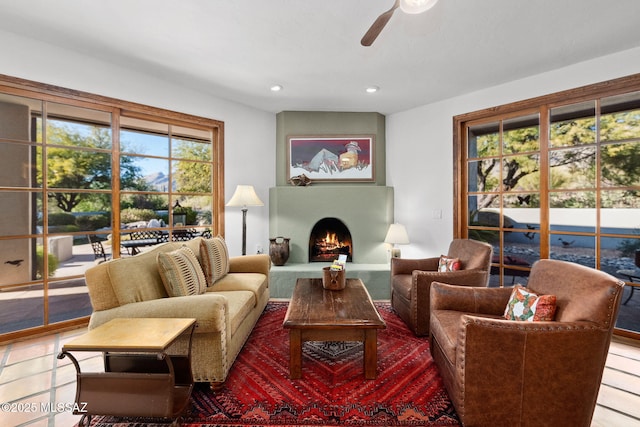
x=372, y=89
x=276, y=88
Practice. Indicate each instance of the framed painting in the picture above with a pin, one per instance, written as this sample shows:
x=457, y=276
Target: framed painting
x=332, y=158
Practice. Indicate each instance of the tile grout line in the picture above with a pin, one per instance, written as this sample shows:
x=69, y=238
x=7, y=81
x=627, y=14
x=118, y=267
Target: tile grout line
x=54, y=372
x=5, y=357
x=50, y=417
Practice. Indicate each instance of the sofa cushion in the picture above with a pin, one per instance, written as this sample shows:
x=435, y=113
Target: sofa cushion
x=214, y=256
x=181, y=273
x=100, y=291
x=253, y=282
x=194, y=245
x=240, y=304
x=137, y=278
x=446, y=264
x=527, y=306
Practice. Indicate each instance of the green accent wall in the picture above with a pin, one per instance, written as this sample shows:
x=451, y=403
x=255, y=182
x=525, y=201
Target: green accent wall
x=366, y=210
x=322, y=123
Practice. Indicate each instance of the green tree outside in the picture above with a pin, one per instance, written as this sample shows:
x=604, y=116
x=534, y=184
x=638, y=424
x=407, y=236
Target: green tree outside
x=572, y=162
x=82, y=161
x=192, y=176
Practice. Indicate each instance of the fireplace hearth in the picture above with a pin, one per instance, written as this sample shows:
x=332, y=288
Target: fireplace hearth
x=329, y=238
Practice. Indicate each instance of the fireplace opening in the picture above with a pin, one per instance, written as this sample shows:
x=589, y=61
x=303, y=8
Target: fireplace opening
x=329, y=238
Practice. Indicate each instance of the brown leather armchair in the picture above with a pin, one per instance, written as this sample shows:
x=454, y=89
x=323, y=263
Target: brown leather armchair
x=411, y=280
x=515, y=373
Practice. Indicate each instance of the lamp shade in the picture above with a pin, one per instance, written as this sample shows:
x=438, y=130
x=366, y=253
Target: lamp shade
x=416, y=6
x=245, y=195
x=397, y=234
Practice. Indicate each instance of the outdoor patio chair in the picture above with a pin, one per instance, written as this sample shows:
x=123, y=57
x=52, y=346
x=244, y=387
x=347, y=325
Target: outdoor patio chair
x=98, y=248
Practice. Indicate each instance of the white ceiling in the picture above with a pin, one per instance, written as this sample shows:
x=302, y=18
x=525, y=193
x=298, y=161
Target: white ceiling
x=237, y=49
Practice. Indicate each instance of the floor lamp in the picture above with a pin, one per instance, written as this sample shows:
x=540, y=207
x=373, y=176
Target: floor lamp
x=244, y=196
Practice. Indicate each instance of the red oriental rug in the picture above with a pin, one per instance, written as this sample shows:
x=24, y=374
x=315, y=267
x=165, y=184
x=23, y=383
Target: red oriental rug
x=332, y=391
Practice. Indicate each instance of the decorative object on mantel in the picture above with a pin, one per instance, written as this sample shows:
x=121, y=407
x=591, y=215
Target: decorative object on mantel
x=244, y=196
x=279, y=250
x=397, y=235
x=301, y=180
x=348, y=158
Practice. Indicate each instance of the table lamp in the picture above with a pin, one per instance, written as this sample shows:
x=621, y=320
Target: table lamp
x=244, y=196
x=397, y=235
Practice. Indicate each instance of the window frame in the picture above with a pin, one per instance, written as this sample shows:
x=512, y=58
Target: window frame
x=543, y=106
x=117, y=108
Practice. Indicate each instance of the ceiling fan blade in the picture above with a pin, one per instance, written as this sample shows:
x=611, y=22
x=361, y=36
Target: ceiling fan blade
x=378, y=25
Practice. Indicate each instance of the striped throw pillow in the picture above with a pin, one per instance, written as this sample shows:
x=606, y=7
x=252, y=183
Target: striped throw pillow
x=215, y=259
x=181, y=272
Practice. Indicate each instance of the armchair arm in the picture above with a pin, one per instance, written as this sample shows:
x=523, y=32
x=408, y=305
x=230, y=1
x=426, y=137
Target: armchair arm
x=469, y=299
x=459, y=277
x=210, y=311
x=258, y=263
x=407, y=266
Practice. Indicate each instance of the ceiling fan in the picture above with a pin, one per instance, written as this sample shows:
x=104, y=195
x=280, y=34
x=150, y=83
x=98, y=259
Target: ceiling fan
x=407, y=6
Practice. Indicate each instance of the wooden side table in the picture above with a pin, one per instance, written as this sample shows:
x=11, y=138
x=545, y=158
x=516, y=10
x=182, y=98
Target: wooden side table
x=140, y=379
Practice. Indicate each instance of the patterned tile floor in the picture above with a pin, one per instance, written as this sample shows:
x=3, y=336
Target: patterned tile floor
x=36, y=389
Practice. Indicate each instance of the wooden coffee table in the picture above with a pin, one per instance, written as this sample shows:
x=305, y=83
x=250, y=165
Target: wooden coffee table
x=317, y=314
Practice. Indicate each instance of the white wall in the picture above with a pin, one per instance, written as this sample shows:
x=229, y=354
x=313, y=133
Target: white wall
x=419, y=141
x=244, y=127
x=420, y=146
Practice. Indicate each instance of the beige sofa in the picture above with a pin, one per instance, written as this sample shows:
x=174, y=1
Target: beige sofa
x=226, y=313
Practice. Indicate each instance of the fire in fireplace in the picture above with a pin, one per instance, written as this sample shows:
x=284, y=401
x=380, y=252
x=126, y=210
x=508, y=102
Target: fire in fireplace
x=329, y=238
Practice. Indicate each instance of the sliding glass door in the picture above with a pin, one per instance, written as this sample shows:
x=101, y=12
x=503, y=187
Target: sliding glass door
x=557, y=177
x=79, y=174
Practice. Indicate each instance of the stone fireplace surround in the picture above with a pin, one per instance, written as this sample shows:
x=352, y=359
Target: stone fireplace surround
x=367, y=210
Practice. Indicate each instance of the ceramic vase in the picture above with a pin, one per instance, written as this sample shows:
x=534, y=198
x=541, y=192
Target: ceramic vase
x=279, y=250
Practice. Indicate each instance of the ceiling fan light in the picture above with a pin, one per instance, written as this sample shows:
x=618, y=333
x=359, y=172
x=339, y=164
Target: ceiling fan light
x=416, y=6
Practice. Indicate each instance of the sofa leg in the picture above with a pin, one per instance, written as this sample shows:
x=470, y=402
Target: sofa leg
x=215, y=386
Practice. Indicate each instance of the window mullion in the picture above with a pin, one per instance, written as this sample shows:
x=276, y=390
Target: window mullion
x=598, y=185
x=115, y=180
x=545, y=120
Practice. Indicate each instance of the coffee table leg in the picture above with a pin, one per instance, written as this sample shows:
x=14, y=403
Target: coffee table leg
x=370, y=354
x=295, y=354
